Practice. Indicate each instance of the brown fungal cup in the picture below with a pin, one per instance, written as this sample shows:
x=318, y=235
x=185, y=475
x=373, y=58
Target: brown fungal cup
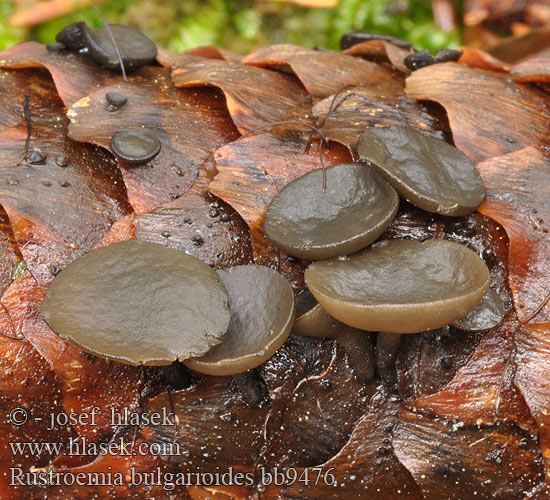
x=401, y=286
x=428, y=172
x=136, y=50
x=261, y=304
x=138, y=303
x=485, y=316
x=356, y=208
x=134, y=147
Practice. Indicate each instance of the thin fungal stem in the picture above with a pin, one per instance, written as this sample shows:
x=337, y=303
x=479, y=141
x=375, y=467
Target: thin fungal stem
x=106, y=24
x=27, y=115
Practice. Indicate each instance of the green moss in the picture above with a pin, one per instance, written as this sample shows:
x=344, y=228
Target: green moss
x=243, y=26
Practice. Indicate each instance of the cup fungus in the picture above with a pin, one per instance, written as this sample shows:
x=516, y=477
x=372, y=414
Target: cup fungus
x=387, y=345
x=401, y=286
x=134, y=147
x=426, y=171
x=311, y=223
x=261, y=305
x=138, y=303
x=115, y=100
x=313, y=321
x=136, y=50
x=487, y=315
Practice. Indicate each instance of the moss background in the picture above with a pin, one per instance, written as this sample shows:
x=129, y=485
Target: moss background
x=245, y=25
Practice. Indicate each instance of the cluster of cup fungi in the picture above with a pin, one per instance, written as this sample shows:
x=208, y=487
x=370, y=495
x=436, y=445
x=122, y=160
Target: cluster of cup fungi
x=141, y=303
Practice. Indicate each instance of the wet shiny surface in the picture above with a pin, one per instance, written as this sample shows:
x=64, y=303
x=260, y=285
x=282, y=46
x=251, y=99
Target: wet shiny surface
x=261, y=304
x=487, y=315
x=134, y=147
x=311, y=223
x=428, y=172
x=136, y=50
x=139, y=303
x=401, y=286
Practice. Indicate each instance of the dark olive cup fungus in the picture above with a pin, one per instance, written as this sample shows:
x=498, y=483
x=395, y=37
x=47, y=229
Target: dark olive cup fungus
x=311, y=223
x=401, y=286
x=134, y=48
x=485, y=316
x=134, y=147
x=262, y=309
x=138, y=303
x=314, y=321
x=426, y=171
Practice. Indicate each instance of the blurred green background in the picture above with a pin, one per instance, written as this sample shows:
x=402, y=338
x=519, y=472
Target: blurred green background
x=243, y=26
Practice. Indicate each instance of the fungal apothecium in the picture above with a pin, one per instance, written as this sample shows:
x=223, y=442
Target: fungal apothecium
x=142, y=303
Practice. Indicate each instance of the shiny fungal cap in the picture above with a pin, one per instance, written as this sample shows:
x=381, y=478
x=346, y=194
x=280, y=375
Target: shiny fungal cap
x=261, y=304
x=134, y=147
x=401, y=286
x=138, y=303
x=427, y=172
x=135, y=48
x=485, y=316
x=313, y=320
x=357, y=206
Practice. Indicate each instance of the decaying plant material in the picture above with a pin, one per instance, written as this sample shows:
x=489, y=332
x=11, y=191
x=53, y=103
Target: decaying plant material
x=468, y=415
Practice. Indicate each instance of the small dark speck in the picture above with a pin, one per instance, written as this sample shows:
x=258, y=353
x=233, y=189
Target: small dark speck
x=116, y=100
x=36, y=157
x=55, y=270
x=25, y=382
x=225, y=218
x=61, y=161
x=188, y=220
x=198, y=239
x=88, y=356
x=445, y=362
x=495, y=456
x=64, y=184
x=383, y=450
x=293, y=260
x=46, y=183
x=177, y=170
x=166, y=234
